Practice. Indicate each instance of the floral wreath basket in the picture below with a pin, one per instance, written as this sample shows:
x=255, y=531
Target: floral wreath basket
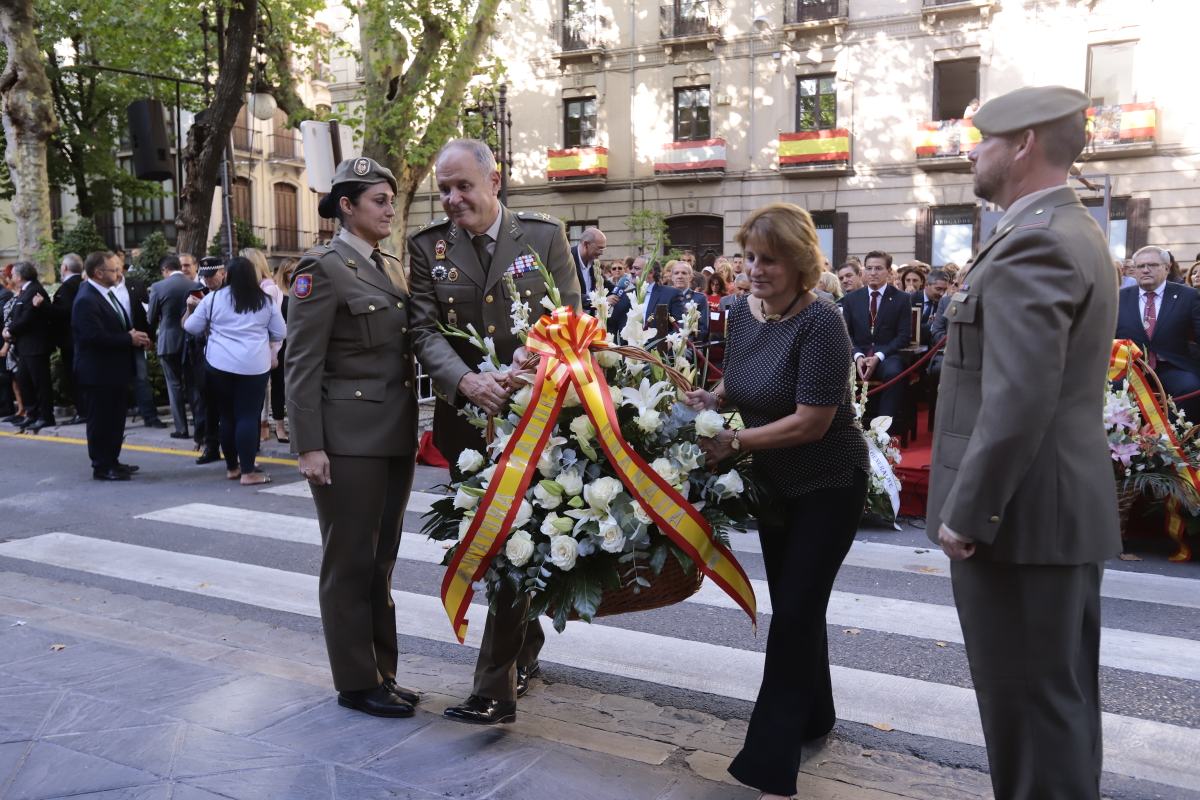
x=592, y=497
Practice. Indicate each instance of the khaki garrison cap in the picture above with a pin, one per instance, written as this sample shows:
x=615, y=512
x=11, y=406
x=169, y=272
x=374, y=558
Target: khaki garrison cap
x=354, y=170
x=1027, y=108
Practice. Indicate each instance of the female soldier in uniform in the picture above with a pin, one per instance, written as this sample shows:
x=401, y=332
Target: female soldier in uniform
x=349, y=377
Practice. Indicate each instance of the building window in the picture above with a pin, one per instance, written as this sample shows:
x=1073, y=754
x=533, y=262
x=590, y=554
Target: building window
x=287, y=234
x=1110, y=74
x=832, y=227
x=576, y=227
x=579, y=122
x=955, y=86
x=242, y=204
x=1117, y=228
x=816, y=103
x=692, y=120
x=953, y=236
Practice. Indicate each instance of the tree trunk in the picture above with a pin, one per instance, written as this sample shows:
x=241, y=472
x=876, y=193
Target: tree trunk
x=29, y=122
x=209, y=138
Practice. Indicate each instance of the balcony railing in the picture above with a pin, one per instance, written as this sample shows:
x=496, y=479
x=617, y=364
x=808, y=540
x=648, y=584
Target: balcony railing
x=808, y=152
x=945, y=142
x=691, y=19
x=704, y=157
x=577, y=164
x=802, y=12
x=580, y=34
x=286, y=145
x=246, y=140
x=1127, y=129
x=291, y=240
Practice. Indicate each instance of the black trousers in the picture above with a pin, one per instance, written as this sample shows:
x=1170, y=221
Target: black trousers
x=361, y=513
x=278, y=396
x=105, y=410
x=509, y=641
x=1033, y=642
x=239, y=401
x=37, y=388
x=890, y=402
x=795, y=701
x=74, y=391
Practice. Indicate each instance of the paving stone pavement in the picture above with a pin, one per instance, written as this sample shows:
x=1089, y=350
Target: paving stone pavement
x=106, y=695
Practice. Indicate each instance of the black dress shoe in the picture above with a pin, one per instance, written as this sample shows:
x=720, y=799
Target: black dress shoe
x=180, y=434
x=14, y=419
x=409, y=696
x=113, y=474
x=76, y=420
x=378, y=702
x=208, y=457
x=523, y=676
x=155, y=423
x=35, y=426
x=130, y=468
x=483, y=711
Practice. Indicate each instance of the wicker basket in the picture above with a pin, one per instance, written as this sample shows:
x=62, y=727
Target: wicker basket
x=1126, y=497
x=669, y=587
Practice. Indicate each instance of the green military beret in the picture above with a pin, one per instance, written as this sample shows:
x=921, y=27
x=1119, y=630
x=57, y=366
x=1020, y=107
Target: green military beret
x=354, y=170
x=1028, y=107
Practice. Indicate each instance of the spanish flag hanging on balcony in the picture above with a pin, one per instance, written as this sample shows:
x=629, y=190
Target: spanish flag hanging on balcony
x=577, y=162
x=1131, y=122
x=811, y=147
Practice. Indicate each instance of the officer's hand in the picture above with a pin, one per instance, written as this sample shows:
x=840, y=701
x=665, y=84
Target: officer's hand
x=485, y=389
x=314, y=466
x=954, y=546
x=140, y=339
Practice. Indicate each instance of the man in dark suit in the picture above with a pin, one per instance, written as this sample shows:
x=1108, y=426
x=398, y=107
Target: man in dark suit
x=1163, y=319
x=30, y=331
x=1021, y=491
x=133, y=296
x=105, y=344
x=928, y=300
x=168, y=300
x=211, y=273
x=880, y=325
x=656, y=294
x=681, y=280
x=8, y=407
x=71, y=270
x=457, y=266
x=584, y=255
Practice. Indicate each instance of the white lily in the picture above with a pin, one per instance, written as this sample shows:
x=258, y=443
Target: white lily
x=647, y=397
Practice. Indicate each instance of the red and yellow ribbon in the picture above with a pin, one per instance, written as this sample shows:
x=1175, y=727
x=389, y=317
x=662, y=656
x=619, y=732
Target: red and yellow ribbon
x=1124, y=365
x=563, y=339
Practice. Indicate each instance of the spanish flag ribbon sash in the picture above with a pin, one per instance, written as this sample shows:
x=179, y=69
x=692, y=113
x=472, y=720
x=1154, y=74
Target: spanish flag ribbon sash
x=563, y=339
x=1125, y=364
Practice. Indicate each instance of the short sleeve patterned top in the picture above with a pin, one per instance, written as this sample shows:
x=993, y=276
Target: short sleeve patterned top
x=770, y=368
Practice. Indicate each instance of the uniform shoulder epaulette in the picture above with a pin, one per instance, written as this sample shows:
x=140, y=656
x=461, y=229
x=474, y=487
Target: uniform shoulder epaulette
x=316, y=251
x=537, y=216
x=428, y=226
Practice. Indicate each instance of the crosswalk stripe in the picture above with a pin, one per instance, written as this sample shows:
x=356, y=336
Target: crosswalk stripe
x=418, y=502
x=1120, y=649
x=1142, y=749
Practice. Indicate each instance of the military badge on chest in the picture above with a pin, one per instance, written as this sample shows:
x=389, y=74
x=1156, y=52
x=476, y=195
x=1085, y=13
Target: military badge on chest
x=439, y=253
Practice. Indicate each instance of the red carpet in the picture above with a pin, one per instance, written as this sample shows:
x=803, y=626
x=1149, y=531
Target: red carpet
x=913, y=470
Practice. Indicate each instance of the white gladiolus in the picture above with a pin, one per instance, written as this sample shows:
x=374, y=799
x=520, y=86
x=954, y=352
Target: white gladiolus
x=583, y=429
x=522, y=397
x=666, y=470
x=709, y=423
x=524, y=513
x=548, y=304
x=463, y=525
x=470, y=461
x=464, y=499
x=487, y=474
x=612, y=536
x=729, y=485
x=519, y=548
x=601, y=492
x=546, y=498
x=634, y=334
x=571, y=482
x=563, y=552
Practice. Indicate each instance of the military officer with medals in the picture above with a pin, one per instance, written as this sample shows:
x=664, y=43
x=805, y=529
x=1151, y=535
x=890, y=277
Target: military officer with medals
x=457, y=267
x=353, y=411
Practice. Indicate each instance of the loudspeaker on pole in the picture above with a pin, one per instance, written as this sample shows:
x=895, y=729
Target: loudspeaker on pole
x=149, y=140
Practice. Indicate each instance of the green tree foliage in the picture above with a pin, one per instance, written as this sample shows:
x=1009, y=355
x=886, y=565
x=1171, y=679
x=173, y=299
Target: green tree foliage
x=81, y=239
x=244, y=234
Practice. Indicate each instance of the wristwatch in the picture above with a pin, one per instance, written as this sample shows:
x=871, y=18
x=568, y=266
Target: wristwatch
x=735, y=444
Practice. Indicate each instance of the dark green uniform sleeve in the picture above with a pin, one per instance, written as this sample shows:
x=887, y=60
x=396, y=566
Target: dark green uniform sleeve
x=443, y=365
x=310, y=324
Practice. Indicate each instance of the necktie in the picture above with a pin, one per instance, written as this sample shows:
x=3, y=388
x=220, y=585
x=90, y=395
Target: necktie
x=480, y=243
x=874, y=309
x=112, y=298
x=1149, y=320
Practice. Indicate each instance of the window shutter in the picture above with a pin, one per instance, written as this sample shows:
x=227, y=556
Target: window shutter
x=1137, y=231
x=841, y=228
x=923, y=244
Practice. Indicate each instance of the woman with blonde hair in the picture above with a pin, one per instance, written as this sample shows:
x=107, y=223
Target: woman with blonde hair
x=266, y=282
x=828, y=282
x=278, y=397
x=787, y=370
x=724, y=267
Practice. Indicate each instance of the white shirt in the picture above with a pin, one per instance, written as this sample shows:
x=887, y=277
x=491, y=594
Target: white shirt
x=1158, y=298
x=237, y=343
x=881, y=356
x=122, y=293
x=104, y=290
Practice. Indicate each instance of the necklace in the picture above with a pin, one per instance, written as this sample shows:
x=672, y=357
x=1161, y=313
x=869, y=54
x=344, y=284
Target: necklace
x=762, y=309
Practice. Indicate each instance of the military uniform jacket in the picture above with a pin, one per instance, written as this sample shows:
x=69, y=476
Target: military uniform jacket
x=349, y=366
x=449, y=286
x=1020, y=459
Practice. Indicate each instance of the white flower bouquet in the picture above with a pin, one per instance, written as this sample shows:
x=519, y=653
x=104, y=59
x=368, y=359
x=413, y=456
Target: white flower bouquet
x=612, y=496
x=883, y=489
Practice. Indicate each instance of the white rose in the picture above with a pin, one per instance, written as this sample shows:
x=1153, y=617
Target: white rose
x=563, y=551
x=463, y=525
x=612, y=535
x=583, y=429
x=554, y=524
x=571, y=400
x=666, y=470
x=524, y=513
x=641, y=514
x=709, y=423
x=649, y=420
x=522, y=397
x=729, y=485
x=570, y=481
x=519, y=548
x=487, y=474
x=548, y=461
x=608, y=358
x=470, y=461
x=546, y=498
x=601, y=492
x=464, y=499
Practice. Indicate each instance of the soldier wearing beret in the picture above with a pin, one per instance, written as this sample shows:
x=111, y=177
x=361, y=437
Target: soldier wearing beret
x=350, y=373
x=457, y=266
x=1021, y=491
